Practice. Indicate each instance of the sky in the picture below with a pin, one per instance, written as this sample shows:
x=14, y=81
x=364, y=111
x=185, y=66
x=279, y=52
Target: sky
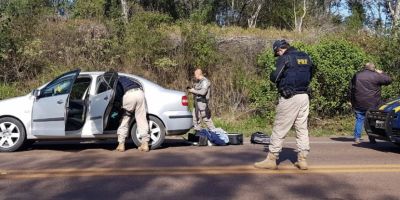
x=344, y=11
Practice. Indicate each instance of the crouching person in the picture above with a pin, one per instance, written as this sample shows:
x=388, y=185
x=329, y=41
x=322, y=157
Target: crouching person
x=133, y=103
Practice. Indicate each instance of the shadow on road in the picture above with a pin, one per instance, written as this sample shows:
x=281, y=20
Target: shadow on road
x=289, y=154
x=173, y=142
x=380, y=146
x=342, y=139
x=76, y=146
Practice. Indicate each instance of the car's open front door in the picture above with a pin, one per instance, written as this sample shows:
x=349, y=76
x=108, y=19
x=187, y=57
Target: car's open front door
x=49, y=107
x=101, y=102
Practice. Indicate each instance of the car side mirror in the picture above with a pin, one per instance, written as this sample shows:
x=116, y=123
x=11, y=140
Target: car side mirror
x=36, y=93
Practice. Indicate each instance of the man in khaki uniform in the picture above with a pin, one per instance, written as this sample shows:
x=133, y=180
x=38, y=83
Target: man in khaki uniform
x=202, y=92
x=134, y=103
x=292, y=76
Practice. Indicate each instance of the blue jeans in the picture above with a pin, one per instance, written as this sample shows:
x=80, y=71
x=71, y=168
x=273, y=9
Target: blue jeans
x=358, y=128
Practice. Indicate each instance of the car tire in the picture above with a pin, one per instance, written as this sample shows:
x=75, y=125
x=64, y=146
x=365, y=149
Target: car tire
x=28, y=144
x=11, y=131
x=157, y=133
x=372, y=140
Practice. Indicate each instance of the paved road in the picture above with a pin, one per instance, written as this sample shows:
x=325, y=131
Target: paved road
x=69, y=170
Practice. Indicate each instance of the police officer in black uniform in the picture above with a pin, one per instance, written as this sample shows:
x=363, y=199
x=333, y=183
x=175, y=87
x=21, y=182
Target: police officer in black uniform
x=293, y=74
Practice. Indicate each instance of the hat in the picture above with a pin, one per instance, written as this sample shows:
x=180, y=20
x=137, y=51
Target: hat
x=278, y=44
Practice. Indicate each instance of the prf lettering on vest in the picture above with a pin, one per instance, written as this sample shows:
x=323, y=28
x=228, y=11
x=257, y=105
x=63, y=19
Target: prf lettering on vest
x=302, y=61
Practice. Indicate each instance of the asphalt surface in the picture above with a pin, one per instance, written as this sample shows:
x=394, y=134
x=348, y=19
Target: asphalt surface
x=72, y=170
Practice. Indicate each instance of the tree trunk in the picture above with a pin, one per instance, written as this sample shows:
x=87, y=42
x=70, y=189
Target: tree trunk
x=252, y=21
x=300, y=28
x=295, y=15
x=394, y=8
x=124, y=6
x=299, y=23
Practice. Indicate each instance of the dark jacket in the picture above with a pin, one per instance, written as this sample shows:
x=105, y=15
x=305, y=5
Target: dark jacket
x=365, y=89
x=124, y=84
x=294, y=71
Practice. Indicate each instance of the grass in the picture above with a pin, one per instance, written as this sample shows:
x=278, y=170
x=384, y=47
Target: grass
x=337, y=126
x=245, y=126
x=10, y=90
x=268, y=33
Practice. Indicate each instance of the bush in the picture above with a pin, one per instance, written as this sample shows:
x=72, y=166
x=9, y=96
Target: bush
x=9, y=90
x=89, y=8
x=199, y=46
x=336, y=62
x=5, y=37
x=384, y=48
x=263, y=94
x=20, y=55
x=145, y=41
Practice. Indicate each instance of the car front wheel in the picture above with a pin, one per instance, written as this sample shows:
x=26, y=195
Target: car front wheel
x=157, y=133
x=372, y=140
x=12, y=134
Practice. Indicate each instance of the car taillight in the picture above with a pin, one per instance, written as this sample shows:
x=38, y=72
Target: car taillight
x=185, y=101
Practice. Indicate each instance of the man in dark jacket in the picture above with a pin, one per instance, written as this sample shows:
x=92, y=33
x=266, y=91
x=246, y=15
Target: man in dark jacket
x=134, y=104
x=293, y=74
x=365, y=93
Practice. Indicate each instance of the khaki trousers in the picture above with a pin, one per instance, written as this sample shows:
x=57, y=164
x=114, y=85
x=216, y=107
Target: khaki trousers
x=201, y=112
x=134, y=101
x=289, y=112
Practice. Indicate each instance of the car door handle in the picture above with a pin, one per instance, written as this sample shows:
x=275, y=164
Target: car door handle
x=106, y=98
x=60, y=101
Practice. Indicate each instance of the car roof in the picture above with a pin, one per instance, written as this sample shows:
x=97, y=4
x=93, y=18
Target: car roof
x=96, y=73
x=141, y=79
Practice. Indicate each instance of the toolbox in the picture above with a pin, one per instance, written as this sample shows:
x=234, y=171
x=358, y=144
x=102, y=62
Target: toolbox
x=195, y=138
x=235, y=138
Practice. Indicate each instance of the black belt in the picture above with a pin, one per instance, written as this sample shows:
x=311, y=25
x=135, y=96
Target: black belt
x=133, y=88
x=203, y=100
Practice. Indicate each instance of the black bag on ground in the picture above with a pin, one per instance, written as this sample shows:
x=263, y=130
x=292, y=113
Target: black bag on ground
x=260, y=138
x=203, y=140
x=192, y=137
x=197, y=138
x=235, y=138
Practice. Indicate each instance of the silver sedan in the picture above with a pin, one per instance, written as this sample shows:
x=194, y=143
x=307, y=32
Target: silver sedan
x=84, y=105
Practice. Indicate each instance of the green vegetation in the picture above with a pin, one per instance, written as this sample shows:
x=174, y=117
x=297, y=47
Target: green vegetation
x=230, y=40
x=337, y=60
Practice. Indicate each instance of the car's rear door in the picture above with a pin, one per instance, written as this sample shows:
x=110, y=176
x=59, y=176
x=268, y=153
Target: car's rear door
x=101, y=102
x=49, y=108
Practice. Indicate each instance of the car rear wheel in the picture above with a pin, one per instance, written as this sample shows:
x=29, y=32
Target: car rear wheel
x=12, y=134
x=157, y=133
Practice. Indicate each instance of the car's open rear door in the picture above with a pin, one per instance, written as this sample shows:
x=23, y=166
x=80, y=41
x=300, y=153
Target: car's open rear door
x=101, y=102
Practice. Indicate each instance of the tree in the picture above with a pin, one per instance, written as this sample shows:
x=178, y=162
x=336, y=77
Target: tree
x=394, y=10
x=357, y=18
x=124, y=7
x=299, y=24
x=89, y=8
x=252, y=20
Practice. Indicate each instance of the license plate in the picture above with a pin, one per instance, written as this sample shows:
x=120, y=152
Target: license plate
x=380, y=124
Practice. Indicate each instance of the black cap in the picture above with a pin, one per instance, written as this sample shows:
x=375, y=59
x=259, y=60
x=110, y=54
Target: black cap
x=278, y=44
